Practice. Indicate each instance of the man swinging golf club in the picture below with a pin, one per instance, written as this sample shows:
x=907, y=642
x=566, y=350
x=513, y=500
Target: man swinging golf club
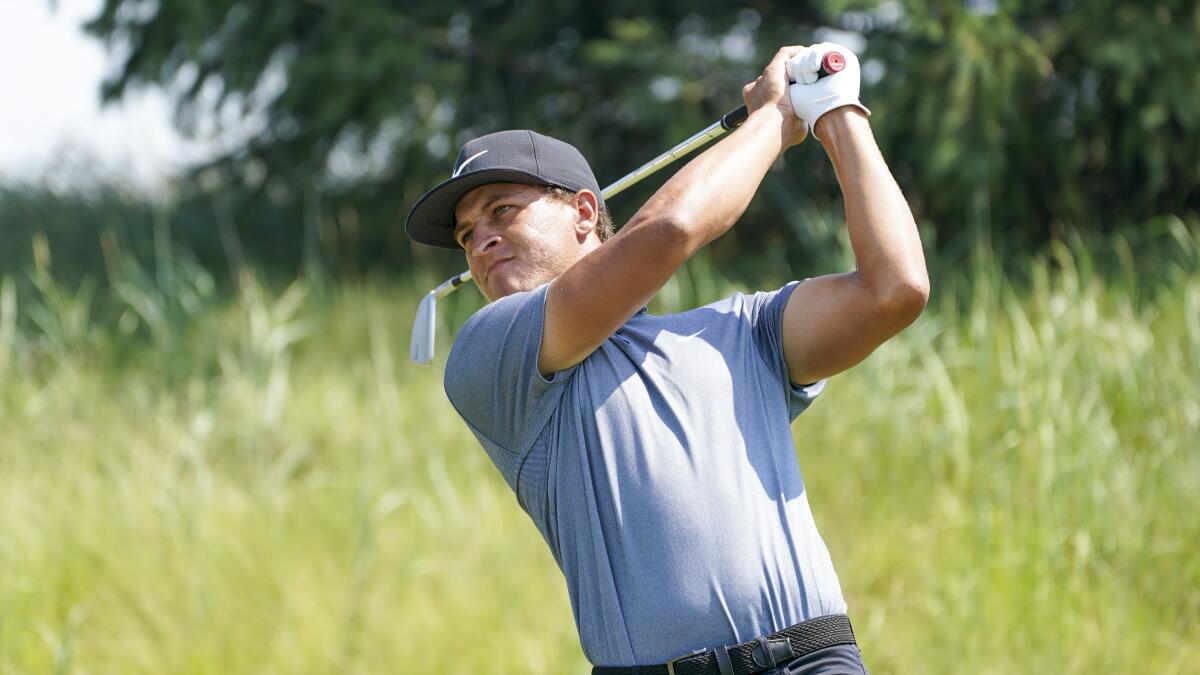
x=654, y=453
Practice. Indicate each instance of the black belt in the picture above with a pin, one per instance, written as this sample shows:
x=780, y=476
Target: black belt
x=754, y=656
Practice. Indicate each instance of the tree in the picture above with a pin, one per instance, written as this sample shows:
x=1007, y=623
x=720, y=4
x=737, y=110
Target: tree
x=997, y=116
x=1025, y=116
x=370, y=100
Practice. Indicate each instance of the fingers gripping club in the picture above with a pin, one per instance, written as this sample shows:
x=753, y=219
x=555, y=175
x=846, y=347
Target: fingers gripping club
x=812, y=95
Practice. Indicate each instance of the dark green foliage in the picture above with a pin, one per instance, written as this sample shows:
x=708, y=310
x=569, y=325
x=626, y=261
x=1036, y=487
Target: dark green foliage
x=72, y=227
x=1000, y=117
x=1043, y=113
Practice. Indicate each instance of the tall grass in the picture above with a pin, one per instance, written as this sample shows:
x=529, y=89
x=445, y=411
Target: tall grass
x=195, y=483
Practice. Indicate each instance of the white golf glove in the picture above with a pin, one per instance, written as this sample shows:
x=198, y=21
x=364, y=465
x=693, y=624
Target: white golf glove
x=812, y=97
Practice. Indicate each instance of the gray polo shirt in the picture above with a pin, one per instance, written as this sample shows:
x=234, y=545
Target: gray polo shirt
x=661, y=471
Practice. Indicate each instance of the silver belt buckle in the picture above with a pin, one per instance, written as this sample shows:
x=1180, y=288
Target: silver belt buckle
x=671, y=663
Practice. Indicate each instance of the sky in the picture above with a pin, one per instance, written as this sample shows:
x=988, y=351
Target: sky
x=52, y=126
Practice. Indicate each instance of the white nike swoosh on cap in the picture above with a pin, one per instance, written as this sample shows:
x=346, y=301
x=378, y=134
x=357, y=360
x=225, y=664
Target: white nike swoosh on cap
x=466, y=162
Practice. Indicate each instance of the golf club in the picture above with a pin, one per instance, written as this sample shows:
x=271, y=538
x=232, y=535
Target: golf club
x=421, y=348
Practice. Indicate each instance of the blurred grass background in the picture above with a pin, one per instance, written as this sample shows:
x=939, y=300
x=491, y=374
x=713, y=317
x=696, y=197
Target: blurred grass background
x=215, y=456
x=195, y=482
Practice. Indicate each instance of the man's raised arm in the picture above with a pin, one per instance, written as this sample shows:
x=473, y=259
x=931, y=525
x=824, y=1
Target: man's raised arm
x=597, y=294
x=832, y=322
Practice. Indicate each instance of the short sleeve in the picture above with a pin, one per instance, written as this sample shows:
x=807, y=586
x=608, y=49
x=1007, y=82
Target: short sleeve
x=765, y=310
x=492, y=377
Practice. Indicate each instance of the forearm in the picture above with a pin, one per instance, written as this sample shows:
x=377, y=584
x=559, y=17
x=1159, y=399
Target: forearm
x=703, y=200
x=883, y=235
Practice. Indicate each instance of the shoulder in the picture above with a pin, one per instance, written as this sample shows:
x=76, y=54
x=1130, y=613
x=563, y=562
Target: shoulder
x=754, y=304
x=494, y=323
x=505, y=310
x=491, y=376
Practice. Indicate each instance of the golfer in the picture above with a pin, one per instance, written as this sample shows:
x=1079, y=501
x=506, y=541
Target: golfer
x=655, y=453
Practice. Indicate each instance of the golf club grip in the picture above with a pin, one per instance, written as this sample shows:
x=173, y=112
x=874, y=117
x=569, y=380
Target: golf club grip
x=831, y=63
x=734, y=118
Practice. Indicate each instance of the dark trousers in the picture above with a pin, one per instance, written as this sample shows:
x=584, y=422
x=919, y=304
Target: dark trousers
x=837, y=660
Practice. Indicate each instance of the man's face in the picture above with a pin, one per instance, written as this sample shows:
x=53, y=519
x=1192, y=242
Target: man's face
x=516, y=237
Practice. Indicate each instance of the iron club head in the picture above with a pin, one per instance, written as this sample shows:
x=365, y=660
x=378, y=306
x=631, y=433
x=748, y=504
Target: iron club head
x=424, y=328
x=424, y=332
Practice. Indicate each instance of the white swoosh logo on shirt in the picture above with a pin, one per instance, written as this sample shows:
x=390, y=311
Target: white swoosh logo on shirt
x=464, y=164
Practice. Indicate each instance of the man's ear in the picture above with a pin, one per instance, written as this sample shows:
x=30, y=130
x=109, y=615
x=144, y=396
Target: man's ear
x=587, y=211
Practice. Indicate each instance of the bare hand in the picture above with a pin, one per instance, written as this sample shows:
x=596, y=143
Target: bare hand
x=770, y=92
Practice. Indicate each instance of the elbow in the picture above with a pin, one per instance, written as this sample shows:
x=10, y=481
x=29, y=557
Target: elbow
x=904, y=299
x=672, y=229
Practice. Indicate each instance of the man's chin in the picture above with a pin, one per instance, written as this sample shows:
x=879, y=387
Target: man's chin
x=507, y=290
x=506, y=287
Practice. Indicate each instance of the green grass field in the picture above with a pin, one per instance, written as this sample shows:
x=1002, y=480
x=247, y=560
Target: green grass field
x=194, y=483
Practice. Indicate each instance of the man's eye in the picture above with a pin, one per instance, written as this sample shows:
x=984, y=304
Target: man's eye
x=465, y=238
x=501, y=210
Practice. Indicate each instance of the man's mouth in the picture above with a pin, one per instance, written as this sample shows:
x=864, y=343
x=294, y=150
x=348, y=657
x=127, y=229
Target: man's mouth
x=491, y=270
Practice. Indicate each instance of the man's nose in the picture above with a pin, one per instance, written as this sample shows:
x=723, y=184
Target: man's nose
x=483, y=242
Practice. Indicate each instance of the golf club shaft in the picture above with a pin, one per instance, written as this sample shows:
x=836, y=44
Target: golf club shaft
x=731, y=120
x=728, y=122
x=832, y=62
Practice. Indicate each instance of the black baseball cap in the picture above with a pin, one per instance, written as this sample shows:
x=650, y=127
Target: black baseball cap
x=517, y=156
